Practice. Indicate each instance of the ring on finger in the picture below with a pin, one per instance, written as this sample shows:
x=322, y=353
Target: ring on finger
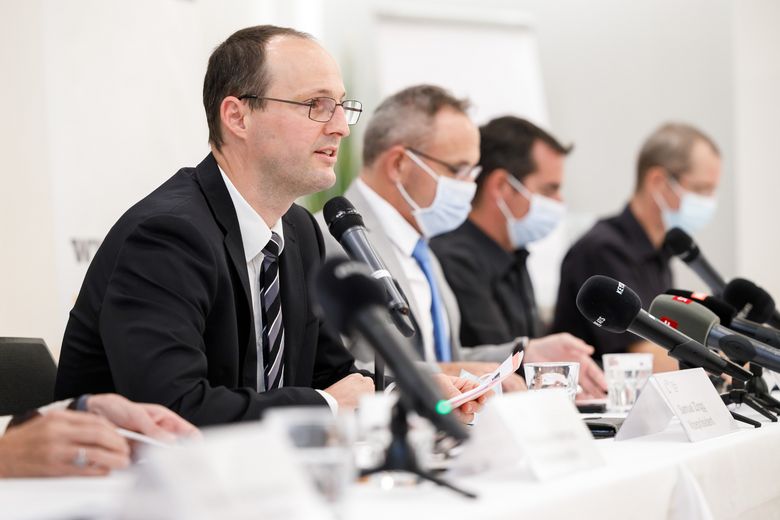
x=80, y=460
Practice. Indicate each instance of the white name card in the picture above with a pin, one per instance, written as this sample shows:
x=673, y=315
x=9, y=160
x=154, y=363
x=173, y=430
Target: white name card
x=541, y=428
x=685, y=394
x=239, y=472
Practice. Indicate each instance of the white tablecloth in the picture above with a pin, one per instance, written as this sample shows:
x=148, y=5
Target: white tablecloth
x=657, y=477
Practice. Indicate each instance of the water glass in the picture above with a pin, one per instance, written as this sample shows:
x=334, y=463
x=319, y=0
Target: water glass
x=562, y=375
x=626, y=374
x=323, y=446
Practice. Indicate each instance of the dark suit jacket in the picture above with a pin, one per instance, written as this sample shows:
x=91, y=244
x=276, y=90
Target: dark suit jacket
x=165, y=316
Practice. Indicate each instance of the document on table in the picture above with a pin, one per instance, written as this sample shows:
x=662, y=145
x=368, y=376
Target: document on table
x=490, y=380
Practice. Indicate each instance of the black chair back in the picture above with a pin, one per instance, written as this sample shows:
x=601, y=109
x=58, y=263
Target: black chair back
x=27, y=375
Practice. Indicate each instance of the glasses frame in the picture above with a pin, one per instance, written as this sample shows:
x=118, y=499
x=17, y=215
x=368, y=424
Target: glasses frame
x=310, y=104
x=465, y=172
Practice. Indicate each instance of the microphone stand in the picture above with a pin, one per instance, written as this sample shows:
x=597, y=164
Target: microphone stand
x=400, y=456
x=757, y=386
x=728, y=398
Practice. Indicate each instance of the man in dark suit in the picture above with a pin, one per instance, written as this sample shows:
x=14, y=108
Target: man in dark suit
x=174, y=306
x=198, y=297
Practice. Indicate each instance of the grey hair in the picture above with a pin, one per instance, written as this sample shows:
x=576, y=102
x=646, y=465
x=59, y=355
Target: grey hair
x=670, y=148
x=406, y=118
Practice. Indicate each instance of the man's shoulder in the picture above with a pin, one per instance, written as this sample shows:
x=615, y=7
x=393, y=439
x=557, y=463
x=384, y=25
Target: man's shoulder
x=605, y=234
x=180, y=197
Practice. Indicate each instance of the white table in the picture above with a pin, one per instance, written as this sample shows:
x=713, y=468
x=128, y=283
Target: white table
x=657, y=477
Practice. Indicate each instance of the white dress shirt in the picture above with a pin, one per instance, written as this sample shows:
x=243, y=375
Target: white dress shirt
x=255, y=234
x=404, y=239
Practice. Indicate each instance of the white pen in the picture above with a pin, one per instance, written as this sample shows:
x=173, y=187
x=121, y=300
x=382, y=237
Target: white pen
x=141, y=438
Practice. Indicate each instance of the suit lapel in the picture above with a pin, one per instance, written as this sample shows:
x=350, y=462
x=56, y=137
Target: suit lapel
x=294, y=296
x=221, y=205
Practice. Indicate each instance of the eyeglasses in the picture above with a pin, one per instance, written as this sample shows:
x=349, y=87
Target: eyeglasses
x=463, y=172
x=321, y=109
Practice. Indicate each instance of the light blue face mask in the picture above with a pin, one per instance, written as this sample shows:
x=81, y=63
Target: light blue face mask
x=544, y=215
x=451, y=204
x=695, y=212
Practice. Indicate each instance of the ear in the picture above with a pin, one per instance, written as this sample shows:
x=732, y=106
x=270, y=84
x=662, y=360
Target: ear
x=394, y=163
x=232, y=112
x=496, y=185
x=655, y=179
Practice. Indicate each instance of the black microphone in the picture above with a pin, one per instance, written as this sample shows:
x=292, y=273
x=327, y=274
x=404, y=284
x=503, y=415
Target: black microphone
x=347, y=296
x=751, y=300
x=680, y=244
x=703, y=325
x=613, y=306
x=346, y=226
x=727, y=315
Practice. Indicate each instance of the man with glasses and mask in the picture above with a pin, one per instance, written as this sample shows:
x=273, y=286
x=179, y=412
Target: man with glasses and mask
x=197, y=297
x=518, y=201
x=678, y=172
x=420, y=155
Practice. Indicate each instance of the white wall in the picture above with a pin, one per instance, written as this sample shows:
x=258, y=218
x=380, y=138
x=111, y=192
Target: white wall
x=757, y=109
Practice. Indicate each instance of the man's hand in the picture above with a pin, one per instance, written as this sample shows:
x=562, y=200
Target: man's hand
x=565, y=347
x=451, y=386
x=350, y=389
x=149, y=419
x=63, y=443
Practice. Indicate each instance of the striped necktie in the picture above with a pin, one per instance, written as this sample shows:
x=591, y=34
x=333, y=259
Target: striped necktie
x=273, y=328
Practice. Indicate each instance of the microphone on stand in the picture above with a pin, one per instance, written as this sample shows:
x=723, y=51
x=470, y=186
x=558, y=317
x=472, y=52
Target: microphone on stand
x=680, y=244
x=611, y=305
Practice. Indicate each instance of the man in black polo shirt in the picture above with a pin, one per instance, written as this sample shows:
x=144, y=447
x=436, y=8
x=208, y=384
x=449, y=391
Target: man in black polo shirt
x=677, y=174
x=518, y=201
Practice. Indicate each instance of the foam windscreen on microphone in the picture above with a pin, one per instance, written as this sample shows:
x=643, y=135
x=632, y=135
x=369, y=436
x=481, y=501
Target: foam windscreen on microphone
x=722, y=310
x=740, y=293
x=679, y=243
x=607, y=303
x=340, y=215
x=342, y=288
x=686, y=315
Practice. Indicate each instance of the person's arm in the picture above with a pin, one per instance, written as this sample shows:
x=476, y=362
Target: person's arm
x=153, y=323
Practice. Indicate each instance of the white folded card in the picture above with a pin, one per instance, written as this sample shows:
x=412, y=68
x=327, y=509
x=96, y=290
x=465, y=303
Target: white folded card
x=686, y=394
x=488, y=381
x=241, y=472
x=541, y=428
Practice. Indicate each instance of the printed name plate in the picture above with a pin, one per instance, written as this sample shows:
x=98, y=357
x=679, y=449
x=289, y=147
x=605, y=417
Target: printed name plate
x=686, y=394
x=541, y=428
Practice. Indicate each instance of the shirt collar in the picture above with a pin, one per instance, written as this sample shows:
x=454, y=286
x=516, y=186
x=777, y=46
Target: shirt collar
x=255, y=233
x=395, y=226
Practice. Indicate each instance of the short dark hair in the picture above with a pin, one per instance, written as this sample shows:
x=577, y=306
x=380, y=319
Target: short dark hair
x=506, y=143
x=236, y=67
x=670, y=148
x=406, y=118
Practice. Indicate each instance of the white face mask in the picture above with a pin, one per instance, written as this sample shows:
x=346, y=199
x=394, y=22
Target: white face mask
x=544, y=215
x=451, y=204
x=696, y=211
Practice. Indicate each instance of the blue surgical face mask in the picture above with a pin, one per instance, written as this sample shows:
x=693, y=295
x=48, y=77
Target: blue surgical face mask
x=451, y=204
x=544, y=215
x=695, y=212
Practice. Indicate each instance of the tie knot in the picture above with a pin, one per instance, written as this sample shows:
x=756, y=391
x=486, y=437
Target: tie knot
x=421, y=252
x=273, y=247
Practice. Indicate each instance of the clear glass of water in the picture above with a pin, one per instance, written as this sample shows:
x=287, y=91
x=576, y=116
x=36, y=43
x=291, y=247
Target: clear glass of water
x=562, y=375
x=323, y=446
x=626, y=375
